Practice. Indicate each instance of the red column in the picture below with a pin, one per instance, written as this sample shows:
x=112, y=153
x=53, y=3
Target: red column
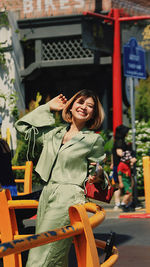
x=117, y=81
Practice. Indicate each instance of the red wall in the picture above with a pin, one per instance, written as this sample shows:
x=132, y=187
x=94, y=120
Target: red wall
x=44, y=8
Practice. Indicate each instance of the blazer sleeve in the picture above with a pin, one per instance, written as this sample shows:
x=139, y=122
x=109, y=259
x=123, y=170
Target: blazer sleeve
x=97, y=153
x=36, y=123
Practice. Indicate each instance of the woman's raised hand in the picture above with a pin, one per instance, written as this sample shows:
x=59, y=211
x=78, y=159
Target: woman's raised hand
x=58, y=103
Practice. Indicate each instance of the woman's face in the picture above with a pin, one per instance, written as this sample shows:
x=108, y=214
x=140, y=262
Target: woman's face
x=83, y=109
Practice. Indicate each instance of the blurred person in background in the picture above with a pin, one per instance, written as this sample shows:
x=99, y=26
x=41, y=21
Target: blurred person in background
x=6, y=174
x=119, y=147
x=125, y=180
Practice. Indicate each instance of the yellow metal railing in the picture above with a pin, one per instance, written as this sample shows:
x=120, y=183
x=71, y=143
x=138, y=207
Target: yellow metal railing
x=80, y=228
x=146, y=172
x=27, y=181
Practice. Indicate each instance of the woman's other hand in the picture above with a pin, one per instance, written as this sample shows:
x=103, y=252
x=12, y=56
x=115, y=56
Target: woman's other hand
x=98, y=176
x=58, y=103
x=93, y=179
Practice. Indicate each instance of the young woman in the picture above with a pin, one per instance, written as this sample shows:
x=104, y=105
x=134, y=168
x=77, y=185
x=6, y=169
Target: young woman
x=69, y=153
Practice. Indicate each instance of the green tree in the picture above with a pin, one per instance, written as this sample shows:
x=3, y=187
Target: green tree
x=142, y=103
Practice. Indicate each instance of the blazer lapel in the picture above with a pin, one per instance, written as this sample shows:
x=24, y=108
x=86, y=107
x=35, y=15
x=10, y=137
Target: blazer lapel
x=79, y=136
x=57, y=140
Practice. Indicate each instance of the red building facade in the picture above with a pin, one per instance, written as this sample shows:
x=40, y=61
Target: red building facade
x=43, y=8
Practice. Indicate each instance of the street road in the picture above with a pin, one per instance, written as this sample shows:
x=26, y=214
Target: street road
x=132, y=241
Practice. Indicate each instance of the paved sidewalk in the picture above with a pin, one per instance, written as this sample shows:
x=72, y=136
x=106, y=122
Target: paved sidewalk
x=111, y=213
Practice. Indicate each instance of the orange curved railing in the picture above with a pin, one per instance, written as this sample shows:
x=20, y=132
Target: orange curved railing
x=8, y=223
x=80, y=228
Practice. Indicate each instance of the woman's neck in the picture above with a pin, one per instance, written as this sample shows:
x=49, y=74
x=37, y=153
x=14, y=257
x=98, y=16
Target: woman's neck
x=73, y=130
x=76, y=127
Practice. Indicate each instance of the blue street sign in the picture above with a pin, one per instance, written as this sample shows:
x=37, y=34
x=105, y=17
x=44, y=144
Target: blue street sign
x=134, y=60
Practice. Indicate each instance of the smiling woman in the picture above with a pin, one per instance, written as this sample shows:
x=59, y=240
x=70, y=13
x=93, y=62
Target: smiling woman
x=85, y=99
x=68, y=158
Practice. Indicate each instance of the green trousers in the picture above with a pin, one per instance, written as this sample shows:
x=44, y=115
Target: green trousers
x=54, y=203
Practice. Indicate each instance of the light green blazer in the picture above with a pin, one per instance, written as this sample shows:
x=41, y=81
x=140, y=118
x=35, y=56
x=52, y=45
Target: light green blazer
x=62, y=164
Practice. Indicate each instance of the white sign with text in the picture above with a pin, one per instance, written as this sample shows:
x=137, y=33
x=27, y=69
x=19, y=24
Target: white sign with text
x=30, y=6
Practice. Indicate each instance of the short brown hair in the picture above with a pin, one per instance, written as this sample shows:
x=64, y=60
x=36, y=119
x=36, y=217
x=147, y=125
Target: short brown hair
x=98, y=117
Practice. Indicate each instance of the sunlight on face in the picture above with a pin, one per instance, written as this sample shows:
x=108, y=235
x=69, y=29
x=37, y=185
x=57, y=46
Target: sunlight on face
x=83, y=108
